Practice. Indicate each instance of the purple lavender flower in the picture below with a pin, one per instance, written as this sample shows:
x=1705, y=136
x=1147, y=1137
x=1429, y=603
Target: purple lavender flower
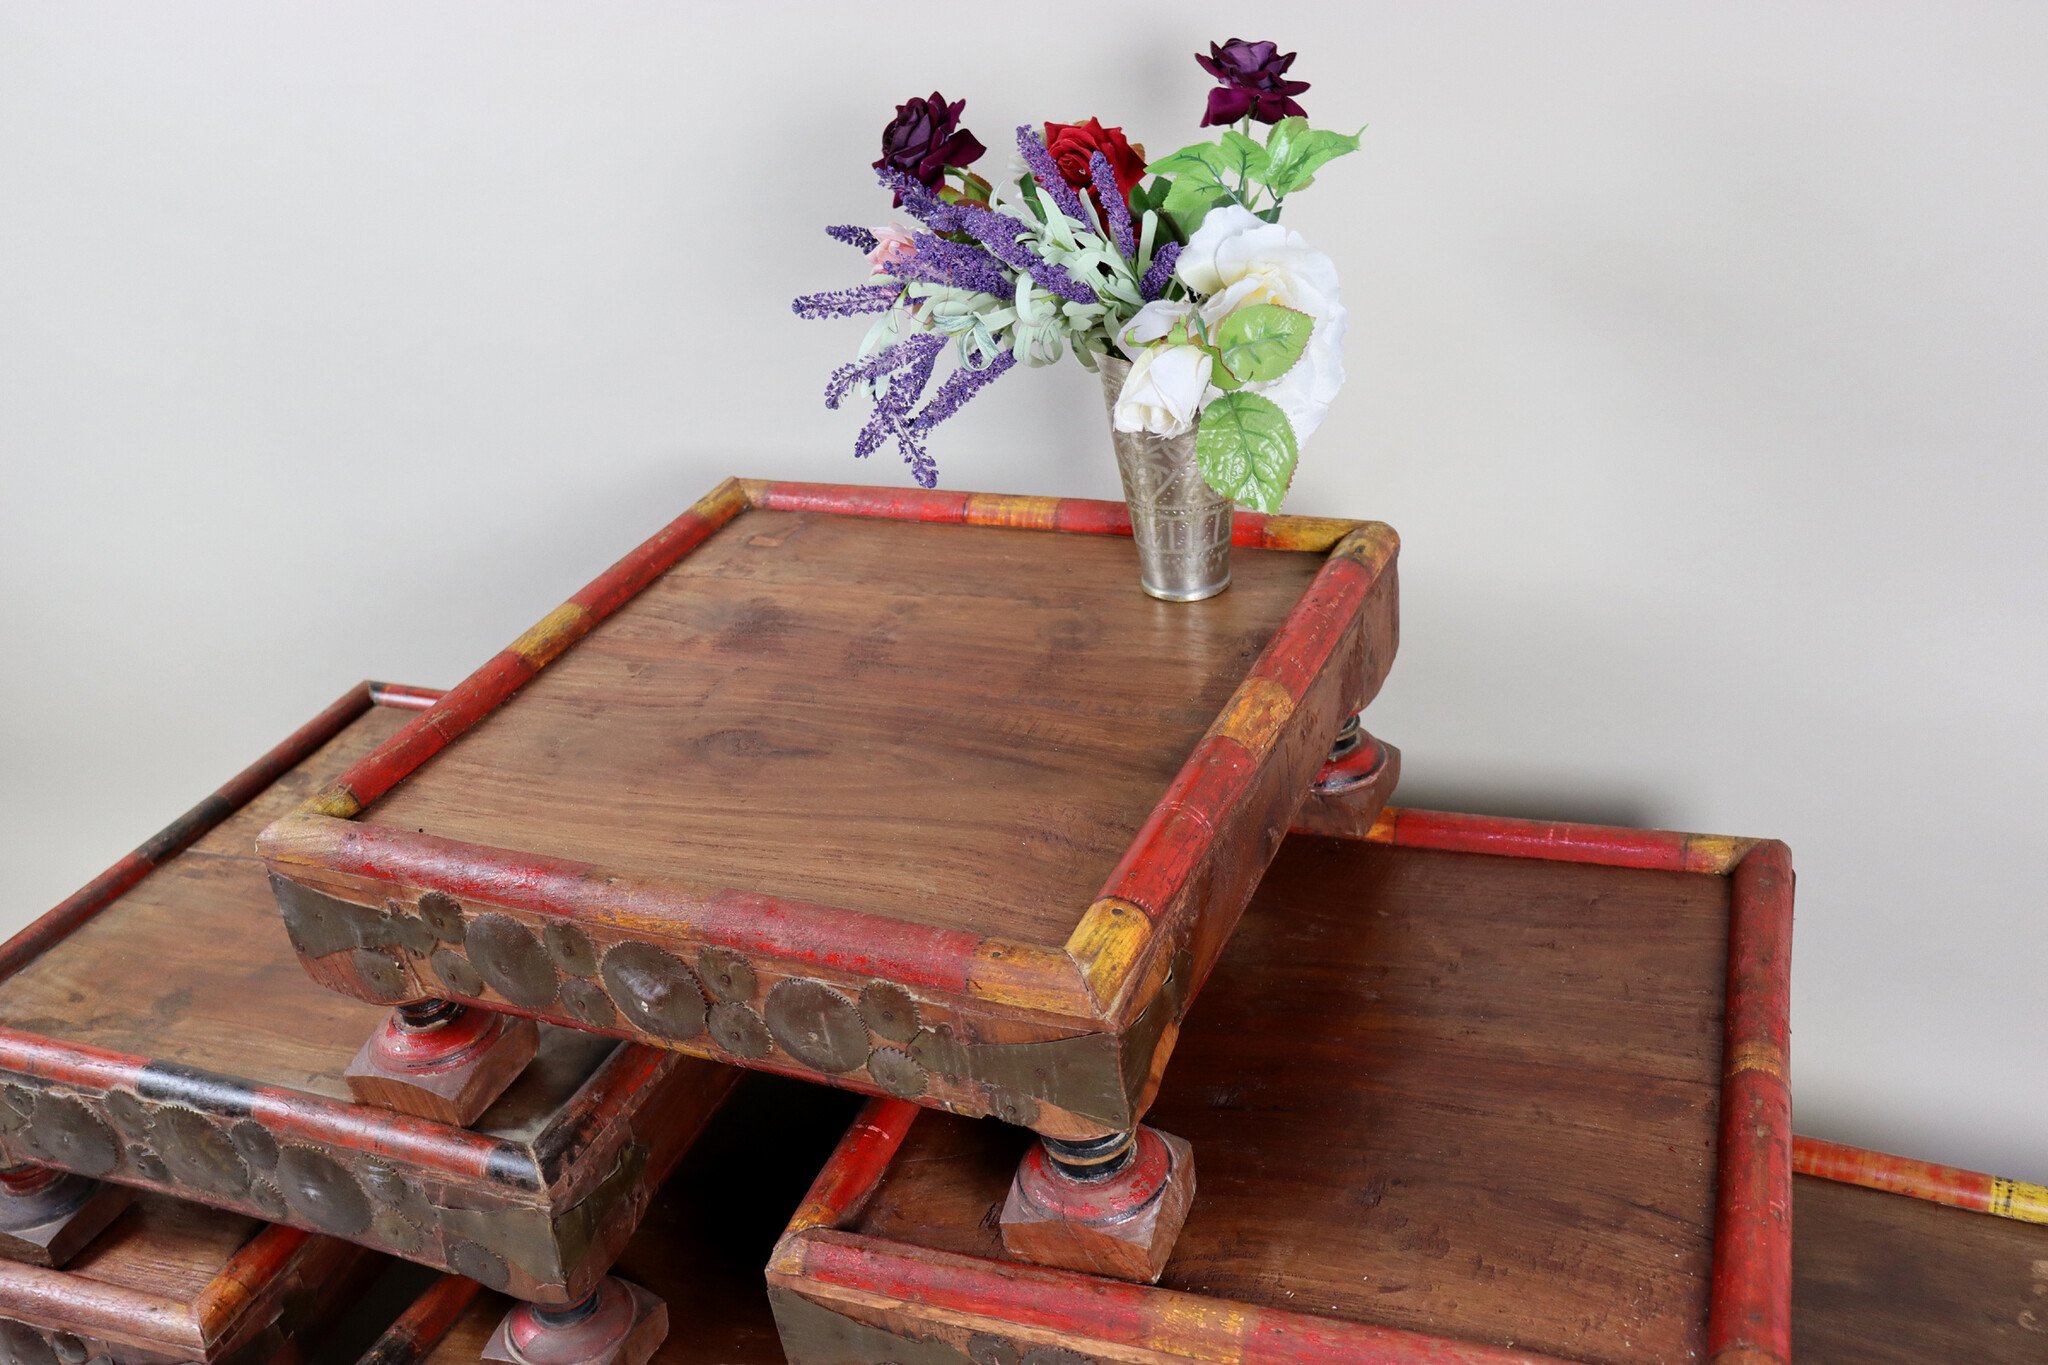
x=916, y=356
x=962, y=265
x=1114, y=208
x=867, y=367
x=1002, y=235
x=1155, y=281
x=960, y=386
x=847, y=303
x=1254, y=81
x=1046, y=172
x=855, y=236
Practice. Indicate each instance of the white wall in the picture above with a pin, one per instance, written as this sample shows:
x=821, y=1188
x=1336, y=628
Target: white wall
x=1696, y=354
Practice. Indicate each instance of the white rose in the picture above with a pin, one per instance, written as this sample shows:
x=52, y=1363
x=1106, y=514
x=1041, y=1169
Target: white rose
x=1235, y=259
x=1163, y=392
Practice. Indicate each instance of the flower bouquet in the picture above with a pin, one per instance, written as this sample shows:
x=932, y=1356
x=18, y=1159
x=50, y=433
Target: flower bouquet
x=1217, y=332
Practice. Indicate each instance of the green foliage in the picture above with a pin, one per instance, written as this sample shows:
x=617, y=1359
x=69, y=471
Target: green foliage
x=1237, y=170
x=1258, y=343
x=1295, y=152
x=1246, y=449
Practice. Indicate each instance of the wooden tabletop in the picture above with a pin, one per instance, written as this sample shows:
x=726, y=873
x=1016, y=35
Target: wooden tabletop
x=170, y=1039
x=868, y=787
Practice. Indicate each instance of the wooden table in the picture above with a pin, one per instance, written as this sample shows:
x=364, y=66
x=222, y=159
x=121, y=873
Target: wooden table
x=1902, y=1262
x=156, y=1032
x=910, y=793
x=1466, y=1091
x=170, y=1281
x=701, y=1247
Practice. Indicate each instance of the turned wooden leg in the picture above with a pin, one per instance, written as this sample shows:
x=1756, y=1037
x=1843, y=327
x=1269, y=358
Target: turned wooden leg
x=47, y=1216
x=440, y=1060
x=614, y=1324
x=1106, y=1206
x=1353, y=785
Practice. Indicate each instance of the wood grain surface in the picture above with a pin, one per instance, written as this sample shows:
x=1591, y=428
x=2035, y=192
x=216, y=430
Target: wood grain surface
x=1887, y=1279
x=1450, y=1093
x=708, y=1233
x=958, y=727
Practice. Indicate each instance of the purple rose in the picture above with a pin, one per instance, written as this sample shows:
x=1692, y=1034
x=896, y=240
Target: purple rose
x=1254, y=81
x=924, y=138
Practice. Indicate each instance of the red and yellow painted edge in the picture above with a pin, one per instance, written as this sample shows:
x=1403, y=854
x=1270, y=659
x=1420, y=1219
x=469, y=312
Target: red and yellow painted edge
x=1950, y=1185
x=1111, y=959
x=1750, y=1301
x=96, y=895
x=413, y=1334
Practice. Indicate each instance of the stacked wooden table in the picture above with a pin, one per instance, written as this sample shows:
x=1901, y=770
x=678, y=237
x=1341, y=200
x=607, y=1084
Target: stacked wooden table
x=915, y=796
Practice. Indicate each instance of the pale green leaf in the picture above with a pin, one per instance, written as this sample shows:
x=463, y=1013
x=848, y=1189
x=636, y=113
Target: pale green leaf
x=1247, y=159
x=1260, y=342
x=1201, y=161
x=1245, y=447
x=1295, y=151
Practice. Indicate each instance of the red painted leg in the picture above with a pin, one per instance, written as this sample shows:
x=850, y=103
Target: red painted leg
x=440, y=1060
x=47, y=1216
x=1354, y=784
x=614, y=1324
x=1111, y=1206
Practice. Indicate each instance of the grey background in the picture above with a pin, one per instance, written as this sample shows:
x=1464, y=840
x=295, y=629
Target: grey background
x=1696, y=352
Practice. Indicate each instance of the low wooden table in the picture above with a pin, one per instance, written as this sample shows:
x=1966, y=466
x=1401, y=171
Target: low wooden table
x=156, y=1032
x=168, y=1281
x=1467, y=1091
x=1903, y=1262
x=904, y=792
x=701, y=1247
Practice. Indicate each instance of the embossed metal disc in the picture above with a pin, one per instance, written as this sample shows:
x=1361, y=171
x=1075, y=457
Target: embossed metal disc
x=654, y=990
x=320, y=1191
x=889, y=1010
x=443, y=914
x=508, y=956
x=570, y=948
x=739, y=1030
x=381, y=974
x=21, y=1344
x=588, y=1003
x=456, y=973
x=727, y=975
x=896, y=1073
x=255, y=1143
x=197, y=1153
x=68, y=1134
x=414, y=935
x=479, y=1263
x=817, y=1025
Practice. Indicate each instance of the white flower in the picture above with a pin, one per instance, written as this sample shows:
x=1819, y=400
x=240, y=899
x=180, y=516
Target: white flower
x=1163, y=392
x=1235, y=258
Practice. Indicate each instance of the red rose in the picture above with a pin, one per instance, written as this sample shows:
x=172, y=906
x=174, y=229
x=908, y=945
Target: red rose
x=1072, y=144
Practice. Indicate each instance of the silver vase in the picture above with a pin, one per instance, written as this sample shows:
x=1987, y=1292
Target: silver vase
x=1180, y=524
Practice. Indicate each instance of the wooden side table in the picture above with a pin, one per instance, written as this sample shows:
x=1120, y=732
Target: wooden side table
x=1900, y=1262
x=157, y=1033
x=910, y=793
x=170, y=1281
x=1467, y=1090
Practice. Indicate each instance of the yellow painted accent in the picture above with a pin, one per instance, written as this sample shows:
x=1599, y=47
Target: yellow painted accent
x=1315, y=534
x=554, y=633
x=1198, y=1329
x=2019, y=1199
x=1003, y=509
x=1257, y=712
x=1107, y=945
x=337, y=802
x=1027, y=977
x=1765, y=1057
x=1373, y=544
x=750, y=489
x=722, y=503
x=1717, y=853
x=815, y=1213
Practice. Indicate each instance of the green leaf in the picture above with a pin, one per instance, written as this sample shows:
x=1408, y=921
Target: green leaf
x=1201, y=161
x=1189, y=201
x=1294, y=152
x=1260, y=342
x=1245, y=447
x=1248, y=160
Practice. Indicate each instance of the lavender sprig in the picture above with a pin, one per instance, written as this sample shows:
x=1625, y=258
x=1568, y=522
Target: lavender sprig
x=960, y=386
x=999, y=232
x=846, y=303
x=1113, y=206
x=938, y=261
x=1156, y=278
x=1046, y=172
x=855, y=236
x=867, y=367
x=916, y=356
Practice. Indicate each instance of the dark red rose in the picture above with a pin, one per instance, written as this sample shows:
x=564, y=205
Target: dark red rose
x=1254, y=81
x=925, y=137
x=1073, y=145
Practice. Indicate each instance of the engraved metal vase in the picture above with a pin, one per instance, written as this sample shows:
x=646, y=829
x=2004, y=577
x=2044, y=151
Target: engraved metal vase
x=1180, y=524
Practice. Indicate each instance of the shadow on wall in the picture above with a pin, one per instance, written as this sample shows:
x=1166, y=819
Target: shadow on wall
x=1527, y=801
